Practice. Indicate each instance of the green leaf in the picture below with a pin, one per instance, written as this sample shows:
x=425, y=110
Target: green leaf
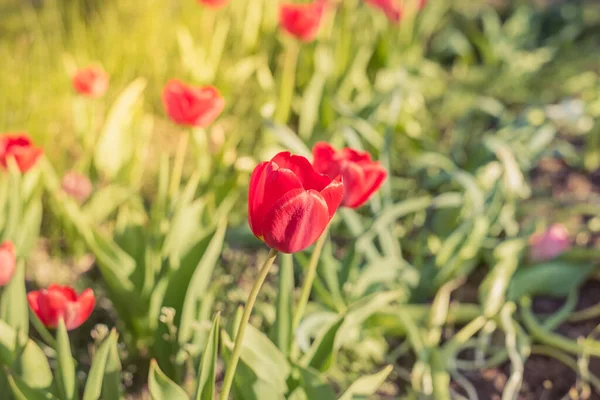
x=205, y=389
x=14, y=309
x=315, y=385
x=366, y=386
x=115, y=144
x=553, y=278
x=104, y=202
x=322, y=353
x=281, y=330
x=161, y=387
x=288, y=139
x=111, y=384
x=195, y=287
x=263, y=360
x=21, y=391
x=93, y=387
x=66, y=365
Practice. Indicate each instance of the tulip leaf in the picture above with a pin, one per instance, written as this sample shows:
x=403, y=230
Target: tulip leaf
x=366, y=386
x=205, y=389
x=289, y=139
x=281, y=331
x=21, y=391
x=27, y=235
x=322, y=353
x=14, y=309
x=66, y=365
x=191, y=288
x=111, y=384
x=161, y=387
x=104, y=202
x=265, y=365
x=553, y=278
x=314, y=384
x=93, y=387
x=115, y=146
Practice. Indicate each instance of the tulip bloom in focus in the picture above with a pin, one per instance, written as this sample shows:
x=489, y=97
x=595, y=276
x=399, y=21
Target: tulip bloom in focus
x=362, y=176
x=192, y=105
x=290, y=204
x=302, y=20
x=77, y=186
x=391, y=8
x=8, y=262
x=549, y=244
x=213, y=3
x=62, y=302
x=91, y=81
x=19, y=147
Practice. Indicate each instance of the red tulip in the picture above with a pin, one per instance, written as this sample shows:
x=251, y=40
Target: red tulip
x=8, y=262
x=301, y=20
x=62, y=302
x=19, y=147
x=549, y=244
x=191, y=105
x=361, y=176
x=391, y=8
x=290, y=204
x=77, y=186
x=422, y=4
x=91, y=81
x=214, y=3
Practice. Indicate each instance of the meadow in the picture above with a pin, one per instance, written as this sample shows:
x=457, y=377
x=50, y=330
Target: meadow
x=326, y=200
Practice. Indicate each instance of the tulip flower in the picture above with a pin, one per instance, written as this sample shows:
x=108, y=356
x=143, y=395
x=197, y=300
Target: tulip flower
x=8, y=262
x=550, y=244
x=20, y=148
x=391, y=8
x=214, y=3
x=91, y=81
x=362, y=176
x=290, y=204
x=77, y=186
x=301, y=20
x=56, y=302
x=191, y=105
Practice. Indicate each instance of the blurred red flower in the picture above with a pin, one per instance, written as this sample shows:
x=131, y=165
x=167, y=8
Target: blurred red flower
x=77, y=186
x=361, y=175
x=214, y=3
x=544, y=246
x=192, y=105
x=391, y=8
x=62, y=302
x=289, y=203
x=91, y=81
x=8, y=262
x=302, y=20
x=19, y=147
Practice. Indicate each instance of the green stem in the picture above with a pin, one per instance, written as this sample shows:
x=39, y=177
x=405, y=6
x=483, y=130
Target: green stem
x=239, y=339
x=288, y=82
x=178, y=164
x=311, y=274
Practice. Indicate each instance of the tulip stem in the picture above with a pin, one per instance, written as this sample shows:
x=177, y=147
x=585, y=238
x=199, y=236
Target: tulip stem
x=178, y=164
x=288, y=82
x=311, y=274
x=239, y=338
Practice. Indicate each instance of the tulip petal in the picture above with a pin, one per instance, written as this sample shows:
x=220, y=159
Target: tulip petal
x=52, y=305
x=324, y=159
x=256, y=193
x=296, y=221
x=303, y=169
x=81, y=310
x=33, y=298
x=362, y=186
x=333, y=195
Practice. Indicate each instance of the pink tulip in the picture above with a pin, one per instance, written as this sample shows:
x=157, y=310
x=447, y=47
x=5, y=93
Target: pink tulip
x=544, y=246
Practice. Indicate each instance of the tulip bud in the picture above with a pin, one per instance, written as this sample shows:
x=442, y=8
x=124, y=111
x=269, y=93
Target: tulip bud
x=77, y=186
x=20, y=148
x=91, y=81
x=192, y=105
